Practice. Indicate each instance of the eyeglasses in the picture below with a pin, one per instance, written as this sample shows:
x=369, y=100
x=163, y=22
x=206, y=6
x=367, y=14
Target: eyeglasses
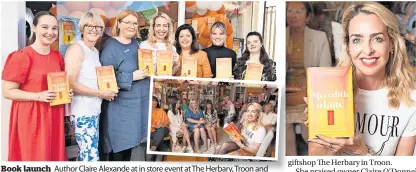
x=91, y=27
x=130, y=23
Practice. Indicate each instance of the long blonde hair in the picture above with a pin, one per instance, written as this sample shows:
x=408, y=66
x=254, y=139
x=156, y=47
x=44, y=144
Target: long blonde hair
x=259, y=112
x=115, y=30
x=399, y=78
x=170, y=37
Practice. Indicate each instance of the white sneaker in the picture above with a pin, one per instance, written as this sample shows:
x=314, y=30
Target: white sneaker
x=189, y=149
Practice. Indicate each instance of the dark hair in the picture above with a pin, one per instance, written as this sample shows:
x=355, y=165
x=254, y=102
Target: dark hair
x=173, y=108
x=268, y=63
x=307, y=5
x=154, y=98
x=206, y=106
x=264, y=57
x=38, y=15
x=194, y=45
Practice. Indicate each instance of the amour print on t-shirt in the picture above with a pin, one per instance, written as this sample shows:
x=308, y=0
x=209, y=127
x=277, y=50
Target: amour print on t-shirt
x=377, y=124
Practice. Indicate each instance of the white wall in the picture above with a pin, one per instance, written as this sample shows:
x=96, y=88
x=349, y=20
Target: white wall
x=13, y=37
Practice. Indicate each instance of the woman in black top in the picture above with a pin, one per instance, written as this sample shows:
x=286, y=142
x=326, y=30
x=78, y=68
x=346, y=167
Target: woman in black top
x=255, y=53
x=217, y=49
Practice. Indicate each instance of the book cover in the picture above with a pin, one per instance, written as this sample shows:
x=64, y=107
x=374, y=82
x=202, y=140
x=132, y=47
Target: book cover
x=330, y=101
x=189, y=66
x=253, y=72
x=164, y=63
x=106, y=78
x=68, y=32
x=224, y=68
x=233, y=131
x=58, y=82
x=146, y=60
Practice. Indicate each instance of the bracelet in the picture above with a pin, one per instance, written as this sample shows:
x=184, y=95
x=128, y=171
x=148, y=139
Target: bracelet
x=98, y=94
x=37, y=96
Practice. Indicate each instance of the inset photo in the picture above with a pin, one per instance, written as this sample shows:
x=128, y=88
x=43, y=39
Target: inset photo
x=214, y=118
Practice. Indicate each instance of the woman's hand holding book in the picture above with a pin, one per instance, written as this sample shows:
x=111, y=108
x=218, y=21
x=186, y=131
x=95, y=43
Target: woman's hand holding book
x=353, y=145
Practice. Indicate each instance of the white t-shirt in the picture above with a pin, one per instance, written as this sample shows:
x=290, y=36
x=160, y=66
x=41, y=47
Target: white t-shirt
x=158, y=46
x=380, y=124
x=254, y=137
x=175, y=122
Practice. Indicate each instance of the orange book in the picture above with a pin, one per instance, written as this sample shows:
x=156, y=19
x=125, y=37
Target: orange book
x=58, y=82
x=146, y=60
x=68, y=31
x=189, y=66
x=233, y=131
x=253, y=72
x=224, y=68
x=106, y=78
x=330, y=101
x=164, y=62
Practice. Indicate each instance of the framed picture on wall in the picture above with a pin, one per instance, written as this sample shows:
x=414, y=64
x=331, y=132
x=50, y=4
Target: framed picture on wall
x=238, y=46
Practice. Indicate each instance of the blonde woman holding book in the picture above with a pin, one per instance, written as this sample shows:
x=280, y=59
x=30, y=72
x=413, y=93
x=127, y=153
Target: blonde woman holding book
x=217, y=49
x=384, y=86
x=161, y=37
x=81, y=60
x=252, y=131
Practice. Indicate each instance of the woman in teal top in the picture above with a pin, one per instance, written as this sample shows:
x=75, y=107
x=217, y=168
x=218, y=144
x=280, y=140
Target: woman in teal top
x=195, y=121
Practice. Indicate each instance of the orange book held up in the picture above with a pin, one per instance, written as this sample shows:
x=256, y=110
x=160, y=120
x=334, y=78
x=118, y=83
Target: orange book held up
x=233, y=131
x=164, y=62
x=330, y=101
x=224, y=68
x=106, y=78
x=58, y=82
x=189, y=66
x=146, y=60
x=253, y=72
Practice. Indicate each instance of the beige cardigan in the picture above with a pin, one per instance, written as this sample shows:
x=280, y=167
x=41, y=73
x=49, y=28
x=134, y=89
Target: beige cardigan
x=316, y=48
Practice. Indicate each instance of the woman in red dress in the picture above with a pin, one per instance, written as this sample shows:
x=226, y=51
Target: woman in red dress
x=36, y=131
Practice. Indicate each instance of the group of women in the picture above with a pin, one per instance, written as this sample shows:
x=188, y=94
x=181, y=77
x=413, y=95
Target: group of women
x=119, y=123
x=183, y=123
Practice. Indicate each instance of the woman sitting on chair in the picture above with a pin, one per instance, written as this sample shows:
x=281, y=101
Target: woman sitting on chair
x=252, y=131
x=195, y=121
x=160, y=124
x=211, y=119
x=178, y=127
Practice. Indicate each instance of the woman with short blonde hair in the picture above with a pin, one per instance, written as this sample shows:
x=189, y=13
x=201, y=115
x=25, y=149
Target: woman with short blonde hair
x=81, y=59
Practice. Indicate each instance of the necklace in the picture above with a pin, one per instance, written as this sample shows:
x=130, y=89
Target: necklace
x=297, y=43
